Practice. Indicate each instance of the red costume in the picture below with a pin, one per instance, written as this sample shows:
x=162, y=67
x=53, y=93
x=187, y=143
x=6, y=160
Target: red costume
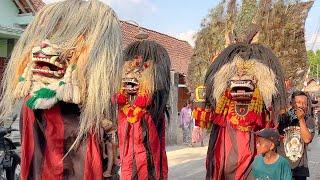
x=245, y=87
x=64, y=67
x=47, y=135
x=142, y=106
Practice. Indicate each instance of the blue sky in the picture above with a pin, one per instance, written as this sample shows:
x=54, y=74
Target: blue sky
x=182, y=18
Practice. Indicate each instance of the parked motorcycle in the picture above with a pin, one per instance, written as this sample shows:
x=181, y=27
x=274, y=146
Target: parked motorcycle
x=9, y=158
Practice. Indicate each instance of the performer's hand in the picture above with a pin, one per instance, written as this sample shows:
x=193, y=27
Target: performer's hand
x=300, y=113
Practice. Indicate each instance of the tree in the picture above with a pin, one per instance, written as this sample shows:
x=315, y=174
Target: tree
x=210, y=39
x=245, y=17
x=282, y=24
x=282, y=29
x=197, y=68
x=314, y=62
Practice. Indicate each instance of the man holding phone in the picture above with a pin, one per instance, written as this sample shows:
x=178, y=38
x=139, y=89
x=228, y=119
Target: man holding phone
x=297, y=127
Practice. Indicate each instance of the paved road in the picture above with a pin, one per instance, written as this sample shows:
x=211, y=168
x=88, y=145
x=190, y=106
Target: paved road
x=187, y=163
x=314, y=158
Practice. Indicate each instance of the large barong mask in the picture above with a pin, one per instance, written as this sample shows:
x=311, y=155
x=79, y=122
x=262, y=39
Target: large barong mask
x=70, y=52
x=245, y=82
x=145, y=78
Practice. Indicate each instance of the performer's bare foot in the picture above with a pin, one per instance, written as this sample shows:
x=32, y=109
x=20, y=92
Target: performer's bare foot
x=107, y=174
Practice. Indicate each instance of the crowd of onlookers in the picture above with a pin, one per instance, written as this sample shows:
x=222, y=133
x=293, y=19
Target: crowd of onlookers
x=281, y=151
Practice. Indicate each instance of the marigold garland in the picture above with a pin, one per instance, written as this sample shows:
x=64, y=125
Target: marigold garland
x=137, y=110
x=226, y=110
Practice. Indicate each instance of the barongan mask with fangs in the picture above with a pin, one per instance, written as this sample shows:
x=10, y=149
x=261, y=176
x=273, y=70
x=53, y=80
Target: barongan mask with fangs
x=70, y=53
x=248, y=77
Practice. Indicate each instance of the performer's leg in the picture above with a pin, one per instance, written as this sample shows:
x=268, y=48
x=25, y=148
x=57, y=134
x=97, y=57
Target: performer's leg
x=184, y=131
x=189, y=134
x=107, y=173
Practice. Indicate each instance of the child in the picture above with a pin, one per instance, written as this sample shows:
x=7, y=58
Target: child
x=197, y=134
x=268, y=164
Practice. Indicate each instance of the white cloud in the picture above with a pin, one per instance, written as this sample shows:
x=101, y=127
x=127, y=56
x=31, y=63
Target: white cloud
x=187, y=36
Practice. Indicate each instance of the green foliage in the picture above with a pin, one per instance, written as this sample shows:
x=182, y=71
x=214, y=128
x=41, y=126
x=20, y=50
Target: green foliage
x=246, y=16
x=314, y=62
x=210, y=38
x=197, y=68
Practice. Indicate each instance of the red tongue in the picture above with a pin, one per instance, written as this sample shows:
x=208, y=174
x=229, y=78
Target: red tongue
x=40, y=55
x=129, y=86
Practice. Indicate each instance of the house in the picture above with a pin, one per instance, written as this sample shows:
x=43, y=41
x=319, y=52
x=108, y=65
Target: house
x=313, y=88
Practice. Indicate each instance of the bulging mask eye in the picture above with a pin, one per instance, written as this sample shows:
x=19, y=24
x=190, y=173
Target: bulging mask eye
x=146, y=65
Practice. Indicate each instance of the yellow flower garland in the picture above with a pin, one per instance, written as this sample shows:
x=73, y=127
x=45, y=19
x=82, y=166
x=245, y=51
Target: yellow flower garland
x=226, y=105
x=135, y=114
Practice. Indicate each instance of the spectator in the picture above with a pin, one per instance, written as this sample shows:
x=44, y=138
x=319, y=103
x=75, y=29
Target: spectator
x=297, y=126
x=269, y=164
x=186, y=123
x=197, y=135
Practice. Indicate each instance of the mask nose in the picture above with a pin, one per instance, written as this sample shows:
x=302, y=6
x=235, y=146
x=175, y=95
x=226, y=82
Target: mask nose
x=44, y=44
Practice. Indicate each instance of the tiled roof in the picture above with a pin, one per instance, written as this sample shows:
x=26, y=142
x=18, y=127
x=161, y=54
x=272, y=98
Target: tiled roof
x=180, y=52
x=37, y=4
x=29, y=6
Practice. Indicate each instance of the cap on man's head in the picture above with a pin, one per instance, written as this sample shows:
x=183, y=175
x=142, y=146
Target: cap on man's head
x=270, y=134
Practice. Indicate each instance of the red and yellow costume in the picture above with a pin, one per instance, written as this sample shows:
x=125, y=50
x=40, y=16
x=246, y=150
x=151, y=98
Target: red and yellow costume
x=142, y=152
x=141, y=111
x=245, y=87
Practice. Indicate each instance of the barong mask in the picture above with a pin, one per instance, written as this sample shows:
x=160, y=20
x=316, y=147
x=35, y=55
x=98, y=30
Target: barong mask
x=137, y=76
x=246, y=82
x=145, y=80
x=50, y=76
x=71, y=52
